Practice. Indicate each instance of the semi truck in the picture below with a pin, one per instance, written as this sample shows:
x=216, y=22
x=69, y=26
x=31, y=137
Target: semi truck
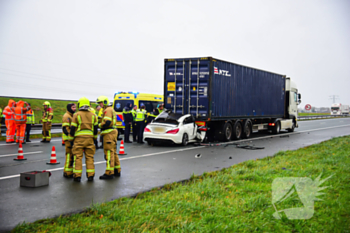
x=230, y=101
x=339, y=109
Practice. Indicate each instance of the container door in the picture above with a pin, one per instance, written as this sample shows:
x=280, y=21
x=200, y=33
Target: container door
x=186, y=89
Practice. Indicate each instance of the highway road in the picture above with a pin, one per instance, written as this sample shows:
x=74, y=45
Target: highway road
x=144, y=167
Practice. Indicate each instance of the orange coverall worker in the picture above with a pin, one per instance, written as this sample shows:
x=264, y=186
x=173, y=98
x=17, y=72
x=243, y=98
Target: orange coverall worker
x=110, y=135
x=20, y=118
x=10, y=122
x=83, y=128
x=46, y=119
x=67, y=138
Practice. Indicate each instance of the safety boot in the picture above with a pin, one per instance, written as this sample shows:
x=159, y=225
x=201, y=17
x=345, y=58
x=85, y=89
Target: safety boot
x=106, y=177
x=90, y=178
x=67, y=176
x=44, y=140
x=116, y=173
x=77, y=179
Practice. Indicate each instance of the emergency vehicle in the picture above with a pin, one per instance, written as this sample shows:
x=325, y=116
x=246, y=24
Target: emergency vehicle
x=150, y=101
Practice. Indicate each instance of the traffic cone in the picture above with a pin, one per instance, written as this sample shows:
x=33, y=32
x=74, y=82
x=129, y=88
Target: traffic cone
x=121, y=149
x=63, y=142
x=53, y=160
x=20, y=153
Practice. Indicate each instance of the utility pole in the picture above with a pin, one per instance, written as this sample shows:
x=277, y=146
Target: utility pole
x=333, y=97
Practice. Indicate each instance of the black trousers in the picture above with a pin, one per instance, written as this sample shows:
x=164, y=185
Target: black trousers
x=140, y=125
x=28, y=128
x=135, y=131
x=127, y=131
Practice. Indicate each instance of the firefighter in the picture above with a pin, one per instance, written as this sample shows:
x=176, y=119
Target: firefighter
x=10, y=122
x=110, y=135
x=47, y=120
x=67, y=138
x=159, y=110
x=140, y=122
x=135, y=129
x=91, y=109
x=128, y=121
x=99, y=115
x=82, y=130
x=0, y=118
x=20, y=118
x=30, y=122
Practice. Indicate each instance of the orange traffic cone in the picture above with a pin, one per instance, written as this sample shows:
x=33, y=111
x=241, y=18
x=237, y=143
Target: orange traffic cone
x=63, y=142
x=53, y=160
x=121, y=149
x=20, y=153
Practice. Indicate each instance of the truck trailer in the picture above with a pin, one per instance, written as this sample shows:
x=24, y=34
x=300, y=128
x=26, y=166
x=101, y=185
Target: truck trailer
x=230, y=101
x=339, y=109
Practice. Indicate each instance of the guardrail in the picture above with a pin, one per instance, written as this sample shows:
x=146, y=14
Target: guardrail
x=321, y=117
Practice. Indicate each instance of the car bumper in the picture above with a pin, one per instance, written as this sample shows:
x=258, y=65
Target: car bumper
x=174, y=138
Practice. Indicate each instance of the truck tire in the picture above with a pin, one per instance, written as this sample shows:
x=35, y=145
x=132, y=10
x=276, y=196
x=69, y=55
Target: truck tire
x=277, y=128
x=293, y=127
x=247, y=129
x=237, y=130
x=227, y=132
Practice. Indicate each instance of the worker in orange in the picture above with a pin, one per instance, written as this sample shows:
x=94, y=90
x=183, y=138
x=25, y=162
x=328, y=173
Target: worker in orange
x=46, y=120
x=10, y=122
x=20, y=118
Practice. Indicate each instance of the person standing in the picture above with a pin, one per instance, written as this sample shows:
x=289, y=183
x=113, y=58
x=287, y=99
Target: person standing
x=20, y=118
x=135, y=129
x=159, y=110
x=10, y=122
x=30, y=122
x=83, y=129
x=140, y=122
x=0, y=119
x=128, y=121
x=91, y=109
x=68, y=139
x=47, y=120
x=110, y=135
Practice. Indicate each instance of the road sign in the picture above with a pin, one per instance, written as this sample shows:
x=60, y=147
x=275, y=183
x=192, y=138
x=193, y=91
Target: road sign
x=308, y=107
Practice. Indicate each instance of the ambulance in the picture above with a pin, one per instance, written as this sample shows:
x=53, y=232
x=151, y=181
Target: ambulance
x=150, y=101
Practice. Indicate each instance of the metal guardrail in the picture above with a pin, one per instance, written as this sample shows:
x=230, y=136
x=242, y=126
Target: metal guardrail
x=321, y=117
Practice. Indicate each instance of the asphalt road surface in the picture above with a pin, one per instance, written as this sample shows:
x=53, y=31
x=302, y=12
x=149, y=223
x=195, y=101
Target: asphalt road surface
x=144, y=167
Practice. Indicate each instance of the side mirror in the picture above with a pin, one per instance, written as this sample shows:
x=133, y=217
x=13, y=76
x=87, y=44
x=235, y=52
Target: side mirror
x=299, y=96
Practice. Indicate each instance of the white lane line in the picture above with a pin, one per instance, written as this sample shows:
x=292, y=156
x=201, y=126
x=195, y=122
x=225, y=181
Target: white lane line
x=11, y=144
x=316, y=121
x=192, y=148
x=27, y=153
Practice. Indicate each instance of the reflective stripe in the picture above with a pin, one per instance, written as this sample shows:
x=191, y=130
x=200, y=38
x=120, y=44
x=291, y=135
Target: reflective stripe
x=90, y=170
x=117, y=167
x=126, y=112
x=108, y=168
x=74, y=124
x=108, y=118
x=79, y=122
x=84, y=132
x=107, y=131
x=65, y=124
x=93, y=119
x=67, y=162
x=76, y=171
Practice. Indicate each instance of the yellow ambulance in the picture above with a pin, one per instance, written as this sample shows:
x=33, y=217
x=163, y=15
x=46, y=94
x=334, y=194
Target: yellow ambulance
x=150, y=101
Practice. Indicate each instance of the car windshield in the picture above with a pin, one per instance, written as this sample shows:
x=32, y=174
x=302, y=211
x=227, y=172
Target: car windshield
x=168, y=118
x=335, y=108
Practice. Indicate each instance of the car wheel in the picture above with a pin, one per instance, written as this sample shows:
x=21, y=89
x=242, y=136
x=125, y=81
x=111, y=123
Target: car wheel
x=237, y=130
x=185, y=139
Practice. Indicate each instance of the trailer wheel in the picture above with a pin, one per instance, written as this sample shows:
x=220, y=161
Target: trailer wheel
x=237, y=130
x=277, y=128
x=247, y=129
x=293, y=127
x=227, y=132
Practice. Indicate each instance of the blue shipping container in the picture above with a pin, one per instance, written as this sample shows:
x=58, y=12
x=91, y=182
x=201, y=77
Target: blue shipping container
x=213, y=89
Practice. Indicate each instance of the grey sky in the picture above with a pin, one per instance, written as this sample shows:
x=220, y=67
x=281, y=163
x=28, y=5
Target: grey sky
x=69, y=49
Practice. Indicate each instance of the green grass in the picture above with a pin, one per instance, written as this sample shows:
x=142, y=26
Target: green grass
x=59, y=107
x=312, y=114
x=236, y=199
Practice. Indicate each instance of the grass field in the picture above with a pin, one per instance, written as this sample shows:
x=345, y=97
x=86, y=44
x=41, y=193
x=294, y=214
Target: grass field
x=59, y=107
x=312, y=114
x=236, y=199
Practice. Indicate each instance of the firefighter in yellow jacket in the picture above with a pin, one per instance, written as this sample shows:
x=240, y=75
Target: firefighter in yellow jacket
x=110, y=135
x=67, y=138
x=46, y=120
x=83, y=128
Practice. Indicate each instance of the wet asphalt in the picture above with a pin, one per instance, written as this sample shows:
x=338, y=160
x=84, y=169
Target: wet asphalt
x=143, y=168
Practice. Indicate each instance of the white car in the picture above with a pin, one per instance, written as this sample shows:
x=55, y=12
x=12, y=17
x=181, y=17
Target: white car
x=173, y=128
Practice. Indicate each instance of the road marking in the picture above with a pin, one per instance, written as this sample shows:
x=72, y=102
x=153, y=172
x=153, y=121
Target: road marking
x=12, y=144
x=316, y=121
x=192, y=148
x=27, y=153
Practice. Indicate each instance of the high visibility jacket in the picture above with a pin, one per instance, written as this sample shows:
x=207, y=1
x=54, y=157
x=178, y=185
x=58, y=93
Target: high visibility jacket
x=66, y=123
x=108, y=122
x=30, y=117
x=9, y=114
x=47, y=115
x=20, y=111
x=140, y=115
x=133, y=112
x=84, y=121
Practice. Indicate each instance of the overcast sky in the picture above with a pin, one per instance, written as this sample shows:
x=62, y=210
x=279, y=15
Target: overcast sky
x=69, y=49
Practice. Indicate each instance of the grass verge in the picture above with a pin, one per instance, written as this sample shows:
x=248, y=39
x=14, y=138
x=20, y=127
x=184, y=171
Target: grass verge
x=33, y=136
x=312, y=114
x=236, y=199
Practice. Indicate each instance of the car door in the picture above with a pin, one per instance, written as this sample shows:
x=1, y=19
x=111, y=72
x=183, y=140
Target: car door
x=189, y=126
